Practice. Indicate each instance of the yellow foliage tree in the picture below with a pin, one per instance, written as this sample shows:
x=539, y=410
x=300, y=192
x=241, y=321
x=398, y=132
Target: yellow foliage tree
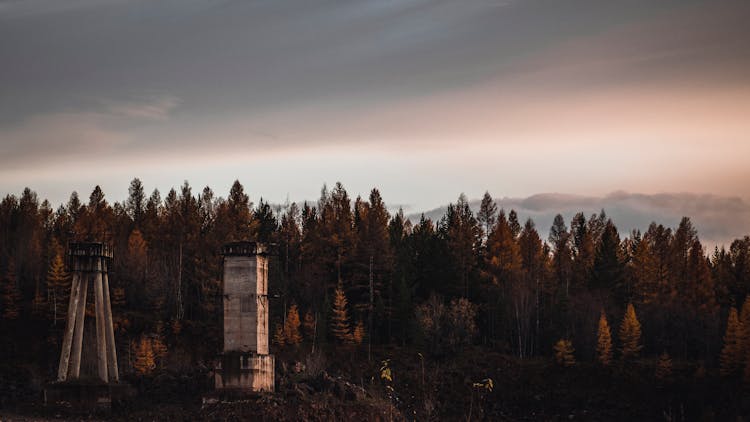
x=604, y=342
x=291, y=326
x=564, y=353
x=58, y=287
x=664, y=367
x=144, y=357
x=340, y=319
x=731, y=354
x=359, y=333
x=630, y=334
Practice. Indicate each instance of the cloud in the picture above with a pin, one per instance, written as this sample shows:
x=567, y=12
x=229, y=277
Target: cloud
x=155, y=108
x=719, y=219
x=56, y=137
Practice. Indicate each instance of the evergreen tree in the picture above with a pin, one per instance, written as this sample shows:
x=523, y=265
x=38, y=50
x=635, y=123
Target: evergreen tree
x=145, y=361
x=630, y=334
x=461, y=232
x=731, y=354
x=340, y=327
x=135, y=205
x=11, y=297
x=58, y=286
x=608, y=269
x=564, y=353
x=744, y=319
x=583, y=251
x=358, y=335
x=515, y=226
x=562, y=257
x=664, y=367
x=487, y=214
x=291, y=326
x=266, y=222
x=604, y=342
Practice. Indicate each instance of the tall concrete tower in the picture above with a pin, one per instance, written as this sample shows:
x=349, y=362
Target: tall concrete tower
x=245, y=365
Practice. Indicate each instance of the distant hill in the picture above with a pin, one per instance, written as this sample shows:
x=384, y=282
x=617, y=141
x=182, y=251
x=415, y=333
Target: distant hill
x=719, y=219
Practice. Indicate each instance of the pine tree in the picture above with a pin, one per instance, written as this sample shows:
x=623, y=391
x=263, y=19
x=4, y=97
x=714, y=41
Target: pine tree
x=291, y=326
x=487, y=214
x=359, y=333
x=664, y=367
x=58, y=286
x=604, y=342
x=744, y=319
x=11, y=296
x=564, y=353
x=340, y=319
x=144, y=358
x=630, y=334
x=731, y=354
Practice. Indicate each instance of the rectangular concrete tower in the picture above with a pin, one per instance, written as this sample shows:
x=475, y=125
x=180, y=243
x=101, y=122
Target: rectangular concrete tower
x=245, y=365
x=245, y=298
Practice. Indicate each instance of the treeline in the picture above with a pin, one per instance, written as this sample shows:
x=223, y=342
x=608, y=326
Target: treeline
x=352, y=272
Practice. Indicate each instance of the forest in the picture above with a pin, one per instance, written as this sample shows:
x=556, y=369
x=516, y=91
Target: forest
x=473, y=316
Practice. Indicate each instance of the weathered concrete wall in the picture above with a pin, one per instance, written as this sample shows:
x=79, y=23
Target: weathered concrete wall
x=245, y=371
x=246, y=304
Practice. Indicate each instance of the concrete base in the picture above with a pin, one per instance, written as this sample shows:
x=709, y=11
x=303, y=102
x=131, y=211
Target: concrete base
x=86, y=396
x=239, y=373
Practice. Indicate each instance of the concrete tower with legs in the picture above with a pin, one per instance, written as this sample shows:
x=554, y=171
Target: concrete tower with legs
x=89, y=262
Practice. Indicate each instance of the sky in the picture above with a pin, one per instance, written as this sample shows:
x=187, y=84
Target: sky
x=424, y=99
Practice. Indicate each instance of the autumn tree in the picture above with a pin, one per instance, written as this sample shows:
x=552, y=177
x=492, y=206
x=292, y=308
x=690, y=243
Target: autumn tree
x=358, y=335
x=630, y=334
x=340, y=327
x=564, y=353
x=292, y=334
x=58, y=285
x=145, y=361
x=604, y=342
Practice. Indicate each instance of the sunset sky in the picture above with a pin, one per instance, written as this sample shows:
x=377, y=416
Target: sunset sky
x=423, y=98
